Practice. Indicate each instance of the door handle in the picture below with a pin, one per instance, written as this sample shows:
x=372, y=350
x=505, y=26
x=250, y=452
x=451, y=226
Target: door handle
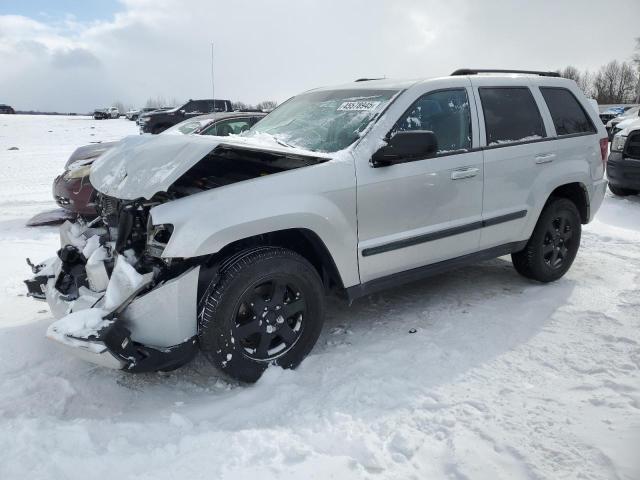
x=464, y=173
x=545, y=158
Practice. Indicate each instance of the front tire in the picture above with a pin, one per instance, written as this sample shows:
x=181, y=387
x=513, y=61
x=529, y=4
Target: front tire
x=554, y=243
x=266, y=308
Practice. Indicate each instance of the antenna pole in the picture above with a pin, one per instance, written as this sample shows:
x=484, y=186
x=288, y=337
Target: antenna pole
x=213, y=93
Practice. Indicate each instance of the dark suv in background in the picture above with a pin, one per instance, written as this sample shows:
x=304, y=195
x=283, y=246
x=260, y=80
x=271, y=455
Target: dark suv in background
x=159, y=121
x=6, y=109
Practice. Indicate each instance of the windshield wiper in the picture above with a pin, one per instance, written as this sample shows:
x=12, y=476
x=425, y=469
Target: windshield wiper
x=280, y=142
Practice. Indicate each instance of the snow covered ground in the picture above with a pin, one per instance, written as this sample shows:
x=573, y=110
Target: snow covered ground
x=503, y=379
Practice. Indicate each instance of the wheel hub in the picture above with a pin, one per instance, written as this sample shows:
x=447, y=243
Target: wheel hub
x=269, y=319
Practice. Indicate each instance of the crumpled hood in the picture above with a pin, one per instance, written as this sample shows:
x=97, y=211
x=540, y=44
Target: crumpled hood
x=141, y=166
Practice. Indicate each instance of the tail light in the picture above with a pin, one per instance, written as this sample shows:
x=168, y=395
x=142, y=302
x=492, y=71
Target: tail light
x=604, y=146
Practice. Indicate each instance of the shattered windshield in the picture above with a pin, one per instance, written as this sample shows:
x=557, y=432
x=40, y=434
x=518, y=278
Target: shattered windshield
x=323, y=121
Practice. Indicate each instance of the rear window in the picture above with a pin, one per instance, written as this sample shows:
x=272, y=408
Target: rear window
x=568, y=115
x=510, y=115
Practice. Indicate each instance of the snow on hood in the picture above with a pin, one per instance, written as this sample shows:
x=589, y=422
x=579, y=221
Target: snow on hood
x=141, y=166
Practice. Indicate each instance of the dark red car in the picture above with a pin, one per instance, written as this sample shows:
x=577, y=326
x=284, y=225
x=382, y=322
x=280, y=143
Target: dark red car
x=73, y=191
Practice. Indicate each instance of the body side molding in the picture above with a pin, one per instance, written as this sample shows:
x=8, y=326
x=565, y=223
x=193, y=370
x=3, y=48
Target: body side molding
x=448, y=232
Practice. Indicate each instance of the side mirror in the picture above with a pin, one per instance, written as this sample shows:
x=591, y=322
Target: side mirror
x=183, y=112
x=405, y=147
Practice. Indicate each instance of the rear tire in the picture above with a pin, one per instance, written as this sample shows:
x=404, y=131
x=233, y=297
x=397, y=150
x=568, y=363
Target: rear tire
x=554, y=243
x=266, y=308
x=622, y=192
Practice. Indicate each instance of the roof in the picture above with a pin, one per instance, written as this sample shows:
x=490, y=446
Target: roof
x=382, y=84
x=403, y=84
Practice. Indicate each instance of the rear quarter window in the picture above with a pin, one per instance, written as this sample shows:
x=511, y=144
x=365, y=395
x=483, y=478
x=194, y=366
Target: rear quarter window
x=511, y=115
x=569, y=117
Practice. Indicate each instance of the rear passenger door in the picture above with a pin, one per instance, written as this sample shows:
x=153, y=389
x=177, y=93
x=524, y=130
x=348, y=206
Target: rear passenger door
x=513, y=136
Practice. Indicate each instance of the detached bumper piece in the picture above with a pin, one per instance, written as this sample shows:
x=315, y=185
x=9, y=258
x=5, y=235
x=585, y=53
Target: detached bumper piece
x=36, y=286
x=112, y=347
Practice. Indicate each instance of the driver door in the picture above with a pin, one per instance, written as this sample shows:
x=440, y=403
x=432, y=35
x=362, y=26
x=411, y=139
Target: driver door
x=428, y=209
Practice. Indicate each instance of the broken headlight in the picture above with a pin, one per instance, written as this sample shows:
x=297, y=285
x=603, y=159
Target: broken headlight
x=157, y=238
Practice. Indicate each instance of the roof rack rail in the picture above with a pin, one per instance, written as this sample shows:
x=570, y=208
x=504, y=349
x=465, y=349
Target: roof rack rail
x=367, y=79
x=475, y=71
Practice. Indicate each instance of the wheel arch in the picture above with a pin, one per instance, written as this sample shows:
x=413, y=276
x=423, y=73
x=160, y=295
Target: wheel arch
x=578, y=194
x=303, y=241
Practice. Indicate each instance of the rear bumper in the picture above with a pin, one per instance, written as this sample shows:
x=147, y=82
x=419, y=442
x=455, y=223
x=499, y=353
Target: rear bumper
x=598, y=191
x=623, y=172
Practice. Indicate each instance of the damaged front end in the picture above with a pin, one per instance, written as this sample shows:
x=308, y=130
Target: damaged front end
x=119, y=299
x=117, y=302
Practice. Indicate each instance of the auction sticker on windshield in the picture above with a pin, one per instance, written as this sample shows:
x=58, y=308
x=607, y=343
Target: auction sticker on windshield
x=358, y=106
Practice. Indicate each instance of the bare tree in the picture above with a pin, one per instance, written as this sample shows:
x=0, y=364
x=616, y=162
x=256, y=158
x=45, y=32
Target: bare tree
x=615, y=82
x=586, y=83
x=156, y=102
x=267, y=105
x=572, y=73
x=241, y=106
x=635, y=59
x=120, y=106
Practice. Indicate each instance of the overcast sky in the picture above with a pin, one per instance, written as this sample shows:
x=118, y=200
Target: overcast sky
x=75, y=55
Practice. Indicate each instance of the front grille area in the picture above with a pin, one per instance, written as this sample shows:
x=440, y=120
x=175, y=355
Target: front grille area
x=632, y=147
x=109, y=209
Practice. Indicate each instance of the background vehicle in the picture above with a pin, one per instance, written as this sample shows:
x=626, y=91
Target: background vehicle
x=632, y=113
x=145, y=111
x=623, y=165
x=158, y=121
x=241, y=238
x=100, y=114
x=6, y=109
x=73, y=191
x=220, y=124
x=104, y=113
x=612, y=112
x=132, y=114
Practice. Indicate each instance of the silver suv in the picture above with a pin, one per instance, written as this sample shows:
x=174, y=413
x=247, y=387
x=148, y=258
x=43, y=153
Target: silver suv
x=229, y=245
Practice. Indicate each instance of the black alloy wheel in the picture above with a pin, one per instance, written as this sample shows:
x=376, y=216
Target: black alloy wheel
x=557, y=240
x=554, y=243
x=265, y=307
x=269, y=318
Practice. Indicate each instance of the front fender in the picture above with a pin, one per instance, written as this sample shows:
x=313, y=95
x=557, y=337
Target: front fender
x=320, y=198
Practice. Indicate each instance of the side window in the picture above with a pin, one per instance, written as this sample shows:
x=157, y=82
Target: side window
x=191, y=107
x=445, y=113
x=510, y=115
x=228, y=127
x=197, y=106
x=568, y=115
